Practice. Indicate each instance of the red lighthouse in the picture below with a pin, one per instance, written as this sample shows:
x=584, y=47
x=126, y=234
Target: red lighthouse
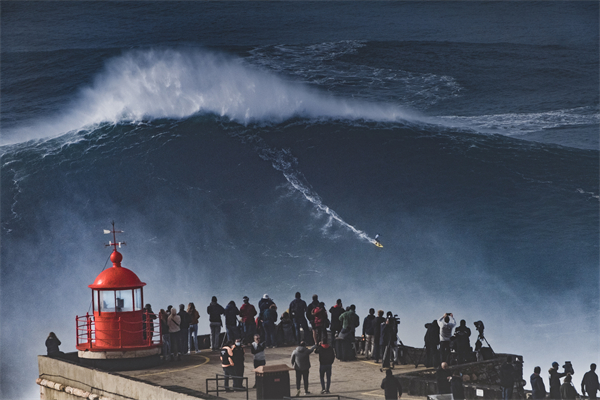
x=120, y=334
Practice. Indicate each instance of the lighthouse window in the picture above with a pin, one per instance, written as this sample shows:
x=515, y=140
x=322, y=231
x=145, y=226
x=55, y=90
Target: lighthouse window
x=124, y=300
x=107, y=301
x=137, y=294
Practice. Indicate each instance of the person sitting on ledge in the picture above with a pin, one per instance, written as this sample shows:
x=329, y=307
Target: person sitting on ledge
x=52, y=344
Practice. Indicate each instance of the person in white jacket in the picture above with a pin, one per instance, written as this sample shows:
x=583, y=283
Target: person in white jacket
x=446, y=323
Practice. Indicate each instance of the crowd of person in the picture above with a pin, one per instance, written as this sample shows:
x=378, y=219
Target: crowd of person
x=305, y=325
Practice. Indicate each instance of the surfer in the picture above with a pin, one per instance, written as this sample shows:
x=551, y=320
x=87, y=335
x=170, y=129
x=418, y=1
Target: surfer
x=376, y=241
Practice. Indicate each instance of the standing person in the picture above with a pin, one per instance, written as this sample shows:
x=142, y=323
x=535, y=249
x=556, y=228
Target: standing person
x=227, y=363
x=350, y=321
x=538, y=389
x=554, y=380
x=310, y=316
x=297, y=312
x=463, y=344
x=457, y=388
x=148, y=314
x=326, y=359
x=388, y=338
x=301, y=362
x=507, y=378
x=238, y=355
x=446, y=323
x=287, y=328
x=442, y=375
x=247, y=313
x=52, y=344
x=193, y=330
x=432, y=340
x=184, y=329
x=164, y=328
x=590, y=383
x=269, y=320
x=567, y=390
x=174, y=322
x=377, y=322
x=215, y=310
x=319, y=321
x=336, y=311
x=263, y=305
x=369, y=333
x=258, y=351
x=231, y=313
x=391, y=386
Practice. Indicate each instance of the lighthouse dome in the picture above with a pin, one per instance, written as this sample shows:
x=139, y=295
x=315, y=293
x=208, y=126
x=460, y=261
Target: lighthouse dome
x=117, y=277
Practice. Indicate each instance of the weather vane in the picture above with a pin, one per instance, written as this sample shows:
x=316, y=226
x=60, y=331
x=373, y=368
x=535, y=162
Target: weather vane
x=114, y=243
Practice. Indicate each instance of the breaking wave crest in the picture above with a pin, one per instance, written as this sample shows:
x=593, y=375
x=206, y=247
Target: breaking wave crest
x=150, y=84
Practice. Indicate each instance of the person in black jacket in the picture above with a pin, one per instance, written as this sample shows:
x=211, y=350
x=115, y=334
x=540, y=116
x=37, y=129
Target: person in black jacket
x=215, y=310
x=184, y=326
x=590, y=383
x=391, y=386
x=52, y=344
x=369, y=334
x=442, y=374
x=298, y=314
x=463, y=345
x=507, y=378
x=432, y=340
x=538, y=389
x=456, y=383
x=326, y=359
x=238, y=363
x=377, y=351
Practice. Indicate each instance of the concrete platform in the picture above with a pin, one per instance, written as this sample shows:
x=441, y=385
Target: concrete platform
x=359, y=379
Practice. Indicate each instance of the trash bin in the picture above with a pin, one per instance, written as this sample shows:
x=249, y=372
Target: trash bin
x=272, y=381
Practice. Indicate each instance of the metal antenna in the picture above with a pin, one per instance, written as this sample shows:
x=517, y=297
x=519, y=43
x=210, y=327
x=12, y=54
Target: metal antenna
x=114, y=243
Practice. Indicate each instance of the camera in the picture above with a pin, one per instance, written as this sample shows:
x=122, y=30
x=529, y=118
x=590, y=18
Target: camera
x=568, y=367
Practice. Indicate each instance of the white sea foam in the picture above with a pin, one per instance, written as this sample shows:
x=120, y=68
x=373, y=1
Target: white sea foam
x=150, y=84
x=515, y=124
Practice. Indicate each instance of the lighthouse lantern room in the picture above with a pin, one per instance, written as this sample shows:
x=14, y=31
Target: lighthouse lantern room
x=120, y=334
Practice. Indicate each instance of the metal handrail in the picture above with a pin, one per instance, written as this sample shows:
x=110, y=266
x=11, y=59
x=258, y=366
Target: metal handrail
x=86, y=331
x=217, y=379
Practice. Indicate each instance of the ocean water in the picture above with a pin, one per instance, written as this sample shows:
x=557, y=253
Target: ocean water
x=249, y=148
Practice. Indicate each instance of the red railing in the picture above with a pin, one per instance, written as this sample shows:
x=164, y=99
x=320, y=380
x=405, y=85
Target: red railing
x=89, y=337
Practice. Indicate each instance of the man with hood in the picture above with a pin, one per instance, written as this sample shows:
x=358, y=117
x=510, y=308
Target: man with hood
x=446, y=323
x=326, y=359
x=247, y=313
x=231, y=322
x=554, y=379
x=215, y=310
x=391, y=386
x=301, y=362
x=298, y=312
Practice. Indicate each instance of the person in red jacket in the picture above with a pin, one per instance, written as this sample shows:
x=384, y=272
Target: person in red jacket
x=326, y=359
x=247, y=313
x=319, y=321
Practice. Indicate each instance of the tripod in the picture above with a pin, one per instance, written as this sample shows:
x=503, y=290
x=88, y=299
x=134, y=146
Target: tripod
x=481, y=337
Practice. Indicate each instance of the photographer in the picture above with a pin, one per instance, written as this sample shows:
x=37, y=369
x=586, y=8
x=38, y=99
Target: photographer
x=432, y=340
x=389, y=338
x=555, y=380
x=446, y=324
x=463, y=345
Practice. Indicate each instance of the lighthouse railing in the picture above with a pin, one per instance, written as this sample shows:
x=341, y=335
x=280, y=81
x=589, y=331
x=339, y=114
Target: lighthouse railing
x=145, y=331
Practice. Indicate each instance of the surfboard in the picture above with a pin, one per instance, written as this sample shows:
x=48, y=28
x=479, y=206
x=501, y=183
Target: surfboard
x=376, y=243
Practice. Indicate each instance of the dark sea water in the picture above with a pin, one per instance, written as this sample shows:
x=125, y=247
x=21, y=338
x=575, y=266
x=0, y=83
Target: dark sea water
x=249, y=148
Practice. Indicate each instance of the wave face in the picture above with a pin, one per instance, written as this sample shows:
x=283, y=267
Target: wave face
x=268, y=156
